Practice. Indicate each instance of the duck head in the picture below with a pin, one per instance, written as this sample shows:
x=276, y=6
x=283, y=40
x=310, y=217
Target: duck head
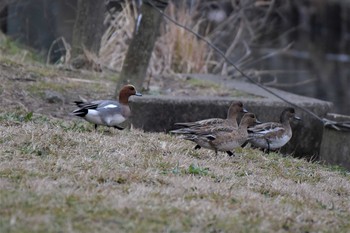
x=288, y=114
x=249, y=119
x=126, y=92
x=235, y=108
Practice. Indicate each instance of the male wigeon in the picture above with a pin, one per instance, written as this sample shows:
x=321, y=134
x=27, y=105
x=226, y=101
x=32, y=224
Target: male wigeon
x=223, y=137
x=204, y=125
x=107, y=112
x=273, y=135
x=231, y=119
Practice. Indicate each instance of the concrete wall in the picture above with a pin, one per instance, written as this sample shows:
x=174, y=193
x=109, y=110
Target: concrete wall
x=335, y=147
x=159, y=113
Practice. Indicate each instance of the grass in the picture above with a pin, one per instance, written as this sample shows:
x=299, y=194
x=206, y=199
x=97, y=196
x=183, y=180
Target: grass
x=58, y=175
x=203, y=83
x=211, y=86
x=16, y=51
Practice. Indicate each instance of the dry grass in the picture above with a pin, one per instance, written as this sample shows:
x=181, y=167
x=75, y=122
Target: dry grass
x=176, y=50
x=179, y=51
x=61, y=176
x=114, y=43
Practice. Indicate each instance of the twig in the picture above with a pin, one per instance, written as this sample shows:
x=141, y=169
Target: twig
x=271, y=54
x=66, y=48
x=231, y=48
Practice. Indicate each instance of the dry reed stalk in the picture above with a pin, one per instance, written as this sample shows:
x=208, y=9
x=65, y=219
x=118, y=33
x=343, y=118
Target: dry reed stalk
x=179, y=51
x=114, y=42
x=176, y=50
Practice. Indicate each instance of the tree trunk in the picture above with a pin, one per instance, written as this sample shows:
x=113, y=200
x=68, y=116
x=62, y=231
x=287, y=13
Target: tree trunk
x=88, y=27
x=140, y=49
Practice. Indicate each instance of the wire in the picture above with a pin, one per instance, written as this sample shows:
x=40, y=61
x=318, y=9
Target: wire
x=340, y=126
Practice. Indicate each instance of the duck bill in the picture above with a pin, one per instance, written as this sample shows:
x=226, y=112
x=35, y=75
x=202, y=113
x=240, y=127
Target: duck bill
x=138, y=94
x=297, y=118
x=244, y=110
x=258, y=122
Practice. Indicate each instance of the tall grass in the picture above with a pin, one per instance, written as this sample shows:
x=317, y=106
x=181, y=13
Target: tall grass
x=176, y=51
x=179, y=51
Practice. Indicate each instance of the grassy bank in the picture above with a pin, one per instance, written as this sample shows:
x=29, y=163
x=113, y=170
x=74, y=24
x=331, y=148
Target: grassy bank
x=61, y=176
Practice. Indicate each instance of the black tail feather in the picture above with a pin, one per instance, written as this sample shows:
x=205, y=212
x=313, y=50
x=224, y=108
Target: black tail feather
x=80, y=112
x=79, y=103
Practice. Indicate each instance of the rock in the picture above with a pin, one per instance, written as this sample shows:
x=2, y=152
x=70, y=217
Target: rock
x=335, y=148
x=53, y=97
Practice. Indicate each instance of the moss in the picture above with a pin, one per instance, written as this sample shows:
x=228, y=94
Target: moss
x=17, y=116
x=14, y=49
x=9, y=62
x=217, y=88
x=237, y=93
x=39, y=88
x=339, y=169
x=197, y=170
x=42, y=71
x=202, y=83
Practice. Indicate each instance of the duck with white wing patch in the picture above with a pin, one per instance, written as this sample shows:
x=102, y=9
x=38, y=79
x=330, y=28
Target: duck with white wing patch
x=109, y=113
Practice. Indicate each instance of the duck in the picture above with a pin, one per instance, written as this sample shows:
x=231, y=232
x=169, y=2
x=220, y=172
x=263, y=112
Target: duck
x=223, y=137
x=231, y=119
x=273, y=135
x=235, y=108
x=108, y=113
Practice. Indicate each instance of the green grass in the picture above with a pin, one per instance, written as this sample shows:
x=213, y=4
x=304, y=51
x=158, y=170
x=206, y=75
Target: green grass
x=203, y=83
x=217, y=88
x=15, y=51
x=61, y=176
x=196, y=170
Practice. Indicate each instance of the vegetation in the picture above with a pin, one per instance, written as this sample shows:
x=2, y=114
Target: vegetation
x=17, y=51
x=58, y=175
x=176, y=50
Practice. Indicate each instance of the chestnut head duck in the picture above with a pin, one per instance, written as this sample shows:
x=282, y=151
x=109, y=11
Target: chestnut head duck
x=109, y=113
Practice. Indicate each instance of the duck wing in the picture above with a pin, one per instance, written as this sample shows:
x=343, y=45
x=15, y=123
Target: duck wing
x=201, y=123
x=265, y=127
x=266, y=130
x=97, y=104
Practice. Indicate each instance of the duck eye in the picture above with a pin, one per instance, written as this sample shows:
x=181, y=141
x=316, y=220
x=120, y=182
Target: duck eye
x=131, y=88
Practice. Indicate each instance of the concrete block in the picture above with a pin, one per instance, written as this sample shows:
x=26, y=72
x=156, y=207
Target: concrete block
x=335, y=146
x=159, y=113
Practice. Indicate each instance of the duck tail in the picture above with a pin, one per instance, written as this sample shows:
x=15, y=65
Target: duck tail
x=176, y=131
x=190, y=137
x=181, y=131
x=185, y=125
x=81, y=112
x=79, y=103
